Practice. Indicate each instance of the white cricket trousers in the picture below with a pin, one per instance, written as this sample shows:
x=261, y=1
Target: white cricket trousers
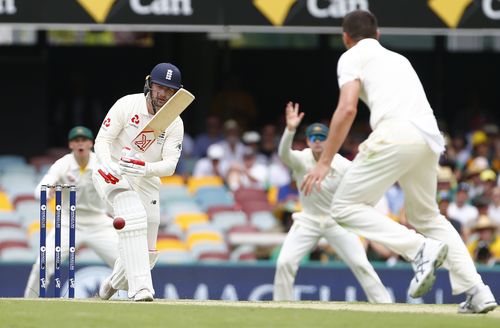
x=100, y=236
x=303, y=236
x=396, y=152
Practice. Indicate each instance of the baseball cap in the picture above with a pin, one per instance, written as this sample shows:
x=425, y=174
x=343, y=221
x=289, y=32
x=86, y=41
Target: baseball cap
x=463, y=186
x=488, y=175
x=215, y=151
x=479, y=137
x=445, y=174
x=80, y=131
x=251, y=137
x=168, y=75
x=317, y=129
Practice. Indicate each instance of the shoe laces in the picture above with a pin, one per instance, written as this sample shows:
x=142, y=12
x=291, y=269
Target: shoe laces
x=467, y=304
x=419, y=263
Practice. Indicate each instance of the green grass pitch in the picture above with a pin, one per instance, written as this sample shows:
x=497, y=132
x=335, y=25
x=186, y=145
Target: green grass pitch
x=161, y=313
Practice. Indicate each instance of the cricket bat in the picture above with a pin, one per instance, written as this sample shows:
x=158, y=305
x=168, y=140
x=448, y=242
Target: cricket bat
x=161, y=120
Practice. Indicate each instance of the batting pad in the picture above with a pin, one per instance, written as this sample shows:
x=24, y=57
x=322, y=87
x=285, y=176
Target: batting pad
x=119, y=279
x=133, y=243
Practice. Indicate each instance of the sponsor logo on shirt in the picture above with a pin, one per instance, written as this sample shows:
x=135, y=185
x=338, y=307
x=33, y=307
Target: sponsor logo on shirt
x=107, y=122
x=135, y=119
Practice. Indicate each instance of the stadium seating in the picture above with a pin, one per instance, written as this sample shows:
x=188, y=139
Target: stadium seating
x=173, y=180
x=5, y=203
x=210, y=196
x=225, y=220
x=194, y=183
x=263, y=220
x=243, y=195
x=184, y=220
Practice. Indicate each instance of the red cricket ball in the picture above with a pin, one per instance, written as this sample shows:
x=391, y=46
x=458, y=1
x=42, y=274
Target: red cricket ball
x=118, y=223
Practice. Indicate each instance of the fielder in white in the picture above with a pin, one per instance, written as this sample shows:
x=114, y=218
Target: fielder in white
x=404, y=146
x=94, y=228
x=132, y=190
x=314, y=221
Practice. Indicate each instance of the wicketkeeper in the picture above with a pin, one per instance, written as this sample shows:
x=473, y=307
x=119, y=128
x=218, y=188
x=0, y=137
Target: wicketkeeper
x=94, y=228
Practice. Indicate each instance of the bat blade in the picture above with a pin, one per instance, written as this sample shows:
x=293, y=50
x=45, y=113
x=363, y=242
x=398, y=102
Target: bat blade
x=162, y=119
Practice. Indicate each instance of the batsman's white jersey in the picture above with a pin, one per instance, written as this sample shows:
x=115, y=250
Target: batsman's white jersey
x=94, y=227
x=122, y=123
x=404, y=146
x=136, y=199
x=314, y=222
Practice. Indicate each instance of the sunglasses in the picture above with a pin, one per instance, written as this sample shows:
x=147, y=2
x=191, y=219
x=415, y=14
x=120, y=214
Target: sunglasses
x=317, y=137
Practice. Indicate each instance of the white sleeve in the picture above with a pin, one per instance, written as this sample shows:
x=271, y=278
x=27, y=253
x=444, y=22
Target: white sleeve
x=111, y=127
x=52, y=176
x=171, y=151
x=348, y=67
x=287, y=155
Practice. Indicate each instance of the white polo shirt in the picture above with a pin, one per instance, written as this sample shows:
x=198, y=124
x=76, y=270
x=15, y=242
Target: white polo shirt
x=316, y=206
x=390, y=87
x=122, y=123
x=90, y=207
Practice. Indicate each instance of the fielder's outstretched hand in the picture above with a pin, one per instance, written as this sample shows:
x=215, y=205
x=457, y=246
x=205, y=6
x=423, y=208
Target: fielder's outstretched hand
x=313, y=178
x=293, y=117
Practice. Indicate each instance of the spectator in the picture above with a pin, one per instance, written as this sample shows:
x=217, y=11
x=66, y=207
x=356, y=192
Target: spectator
x=485, y=249
x=212, y=134
x=446, y=179
x=488, y=180
x=187, y=160
x=444, y=199
x=494, y=207
x=213, y=164
x=461, y=210
x=474, y=169
x=252, y=139
x=232, y=145
x=248, y=173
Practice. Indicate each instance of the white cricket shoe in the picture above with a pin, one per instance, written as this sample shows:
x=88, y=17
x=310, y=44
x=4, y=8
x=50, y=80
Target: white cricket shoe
x=106, y=291
x=143, y=295
x=481, y=300
x=430, y=257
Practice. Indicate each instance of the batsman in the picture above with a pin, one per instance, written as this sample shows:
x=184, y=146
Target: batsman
x=129, y=181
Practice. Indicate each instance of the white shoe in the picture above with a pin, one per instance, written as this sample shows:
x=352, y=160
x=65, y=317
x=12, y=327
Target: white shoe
x=430, y=257
x=480, y=301
x=106, y=291
x=143, y=295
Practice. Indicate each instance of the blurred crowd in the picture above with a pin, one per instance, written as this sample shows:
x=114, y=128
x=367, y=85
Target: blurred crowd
x=468, y=190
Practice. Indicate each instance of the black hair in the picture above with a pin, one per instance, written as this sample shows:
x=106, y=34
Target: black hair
x=360, y=24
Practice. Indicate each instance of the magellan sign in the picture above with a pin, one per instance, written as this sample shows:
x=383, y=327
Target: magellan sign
x=301, y=16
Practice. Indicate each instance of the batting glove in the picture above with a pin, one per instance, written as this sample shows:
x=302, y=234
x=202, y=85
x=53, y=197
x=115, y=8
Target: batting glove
x=133, y=166
x=110, y=172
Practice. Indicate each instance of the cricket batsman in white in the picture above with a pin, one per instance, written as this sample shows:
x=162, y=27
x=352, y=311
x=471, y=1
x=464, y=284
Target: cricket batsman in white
x=94, y=227
x=314, y=221
x=404, y=146
x=130, y=183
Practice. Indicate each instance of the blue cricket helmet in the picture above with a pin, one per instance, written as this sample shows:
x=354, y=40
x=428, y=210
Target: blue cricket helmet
x=168, y=75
